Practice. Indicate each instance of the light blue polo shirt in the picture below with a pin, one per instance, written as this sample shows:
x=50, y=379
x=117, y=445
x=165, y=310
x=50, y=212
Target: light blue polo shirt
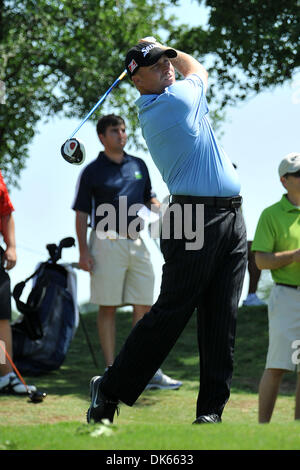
x=182, y=143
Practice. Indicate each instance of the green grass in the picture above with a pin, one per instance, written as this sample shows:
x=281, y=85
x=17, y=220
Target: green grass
x=159, y=420
x=161, y=436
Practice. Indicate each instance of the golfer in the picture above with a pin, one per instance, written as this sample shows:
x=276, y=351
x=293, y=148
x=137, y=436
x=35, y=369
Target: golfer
x=209, y=279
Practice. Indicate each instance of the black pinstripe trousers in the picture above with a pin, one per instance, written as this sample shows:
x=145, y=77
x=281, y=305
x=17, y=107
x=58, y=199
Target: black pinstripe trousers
x=208, y=280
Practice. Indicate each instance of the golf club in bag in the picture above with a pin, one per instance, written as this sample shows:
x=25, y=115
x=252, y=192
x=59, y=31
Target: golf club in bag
x=50, y=317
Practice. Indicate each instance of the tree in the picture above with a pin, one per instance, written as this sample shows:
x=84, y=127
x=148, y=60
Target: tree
x=60, y=57
x=249, y=46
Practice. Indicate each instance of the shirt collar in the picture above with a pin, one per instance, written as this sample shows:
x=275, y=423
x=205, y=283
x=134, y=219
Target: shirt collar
x=102, y=156
x=145, y=100
x=287, y=205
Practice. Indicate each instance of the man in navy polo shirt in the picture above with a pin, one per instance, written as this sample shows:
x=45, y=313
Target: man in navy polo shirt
x=116, y=257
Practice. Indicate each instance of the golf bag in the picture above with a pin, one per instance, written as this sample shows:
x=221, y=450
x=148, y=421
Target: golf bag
x=50, y=316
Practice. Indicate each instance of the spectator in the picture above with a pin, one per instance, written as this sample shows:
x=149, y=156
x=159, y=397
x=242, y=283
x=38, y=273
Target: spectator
x=9, y=382
x=277, y=247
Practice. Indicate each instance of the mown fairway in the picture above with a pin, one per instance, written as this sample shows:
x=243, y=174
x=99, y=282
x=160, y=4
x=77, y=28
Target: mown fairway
x=159, y=420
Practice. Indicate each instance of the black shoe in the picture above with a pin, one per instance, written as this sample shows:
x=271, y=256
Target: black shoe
x=101, y=407
x=211, y=418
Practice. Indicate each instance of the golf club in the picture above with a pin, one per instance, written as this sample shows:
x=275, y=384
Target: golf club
x=73, y=150
x=35, y=396
x=88, y=341
x=76, y=266
x=55, y=250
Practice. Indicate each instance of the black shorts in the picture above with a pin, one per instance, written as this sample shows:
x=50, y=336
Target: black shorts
x=5, y=295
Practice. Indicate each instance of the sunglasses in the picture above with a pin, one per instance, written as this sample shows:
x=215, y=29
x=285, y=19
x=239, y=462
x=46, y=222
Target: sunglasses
x=296, y=174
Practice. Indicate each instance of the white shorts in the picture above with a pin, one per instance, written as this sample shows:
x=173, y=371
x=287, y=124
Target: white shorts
x=123, y=272
x=284, y=329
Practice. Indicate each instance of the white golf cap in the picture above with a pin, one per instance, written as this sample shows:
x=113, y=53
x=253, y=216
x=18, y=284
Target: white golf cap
x=289, y=164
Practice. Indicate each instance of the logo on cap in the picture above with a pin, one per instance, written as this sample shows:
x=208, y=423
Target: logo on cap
x=132, y=66
x=147, y=49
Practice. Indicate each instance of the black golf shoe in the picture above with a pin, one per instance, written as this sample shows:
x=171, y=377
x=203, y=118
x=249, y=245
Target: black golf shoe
x=101, y=407
x=209, y=418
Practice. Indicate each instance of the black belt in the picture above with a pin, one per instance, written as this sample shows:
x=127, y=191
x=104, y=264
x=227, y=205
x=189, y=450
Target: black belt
x=287, y=285
x=221, y=202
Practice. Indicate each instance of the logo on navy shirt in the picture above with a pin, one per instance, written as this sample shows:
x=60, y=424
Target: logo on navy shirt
x=138, y=175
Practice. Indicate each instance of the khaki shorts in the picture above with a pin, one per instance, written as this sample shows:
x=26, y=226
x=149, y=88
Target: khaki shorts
x=284, y=329
x=123, y=272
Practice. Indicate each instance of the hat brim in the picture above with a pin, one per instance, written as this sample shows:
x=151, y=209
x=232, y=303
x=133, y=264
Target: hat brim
x=171, y=53
x=290, y=171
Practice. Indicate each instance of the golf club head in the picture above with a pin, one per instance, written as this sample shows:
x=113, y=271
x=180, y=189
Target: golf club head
x=73, y=151
x=52, y=250
x=67, y=242
x=37, y=396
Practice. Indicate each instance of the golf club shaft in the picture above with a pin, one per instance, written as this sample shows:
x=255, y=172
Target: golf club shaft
x=88, y=342
x=99, y=102
x=76, y=265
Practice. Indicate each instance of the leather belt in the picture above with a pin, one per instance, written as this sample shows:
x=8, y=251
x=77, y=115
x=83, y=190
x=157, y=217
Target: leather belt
x=287, y=285
x=221, y=202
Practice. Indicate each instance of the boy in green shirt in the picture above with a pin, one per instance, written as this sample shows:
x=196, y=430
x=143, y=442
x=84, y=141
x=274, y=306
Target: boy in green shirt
x=277, y=247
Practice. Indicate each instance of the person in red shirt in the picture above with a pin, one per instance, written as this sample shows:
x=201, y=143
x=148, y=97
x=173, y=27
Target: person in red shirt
x=9, y=382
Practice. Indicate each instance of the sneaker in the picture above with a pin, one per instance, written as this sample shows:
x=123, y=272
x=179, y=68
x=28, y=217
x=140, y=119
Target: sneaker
x=253, y=301
x=162, y=381
x=211, y=418
x=101, y=407
x=11, y=384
